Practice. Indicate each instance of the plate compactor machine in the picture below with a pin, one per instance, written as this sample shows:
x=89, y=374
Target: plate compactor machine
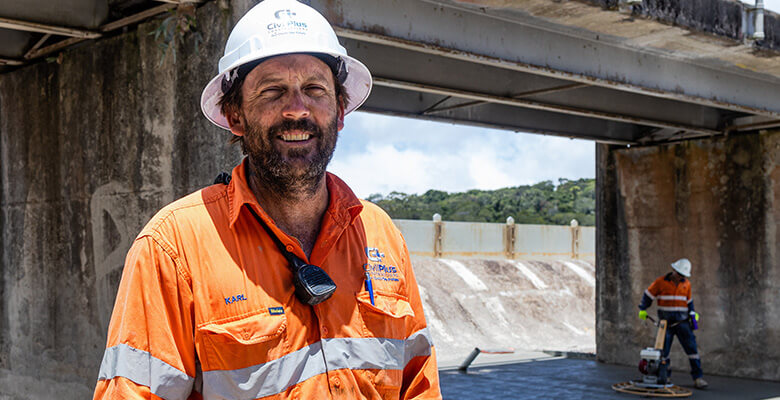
x=656, y=371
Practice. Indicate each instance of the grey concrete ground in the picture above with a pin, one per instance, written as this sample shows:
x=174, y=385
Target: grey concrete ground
x=568, y=378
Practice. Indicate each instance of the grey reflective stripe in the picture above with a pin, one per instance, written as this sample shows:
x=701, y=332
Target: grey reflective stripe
x=376, y=353
x=673, y=308
x=340, y=353
x=139, y=366
x=668, y=297
x=693, y=356
x=648, y=294
x=264, y=379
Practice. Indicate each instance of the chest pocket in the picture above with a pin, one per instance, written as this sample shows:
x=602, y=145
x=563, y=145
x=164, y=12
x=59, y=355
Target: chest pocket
x=386, y=318
x=244, y=342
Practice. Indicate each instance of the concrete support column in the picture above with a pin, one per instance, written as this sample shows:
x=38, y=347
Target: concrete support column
x=437, y=235
x=510, y=233
x=716, y=202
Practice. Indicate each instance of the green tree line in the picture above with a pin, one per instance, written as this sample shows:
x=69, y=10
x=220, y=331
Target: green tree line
x=541, y=203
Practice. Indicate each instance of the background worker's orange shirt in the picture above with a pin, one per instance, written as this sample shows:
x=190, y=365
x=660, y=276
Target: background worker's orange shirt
x=670, y=296
x=206, y=307
x=675, y=302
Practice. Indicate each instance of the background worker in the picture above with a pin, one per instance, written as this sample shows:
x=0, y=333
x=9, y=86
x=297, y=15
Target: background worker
x=675, y=305
x=219, y=298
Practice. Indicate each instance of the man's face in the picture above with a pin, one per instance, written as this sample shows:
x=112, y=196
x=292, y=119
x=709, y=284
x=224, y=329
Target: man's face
x=289, y=119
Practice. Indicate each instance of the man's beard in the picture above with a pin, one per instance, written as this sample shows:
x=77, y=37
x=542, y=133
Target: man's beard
x=274, y=171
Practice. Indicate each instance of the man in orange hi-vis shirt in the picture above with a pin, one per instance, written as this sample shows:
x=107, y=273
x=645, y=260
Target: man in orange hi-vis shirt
x=277, y=282
x=675, y=305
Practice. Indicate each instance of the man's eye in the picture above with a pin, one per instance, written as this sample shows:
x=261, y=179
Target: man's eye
x=314, y=89
x=270, y=92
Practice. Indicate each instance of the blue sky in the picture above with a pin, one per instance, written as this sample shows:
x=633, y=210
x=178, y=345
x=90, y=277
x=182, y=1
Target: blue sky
x=380, y=154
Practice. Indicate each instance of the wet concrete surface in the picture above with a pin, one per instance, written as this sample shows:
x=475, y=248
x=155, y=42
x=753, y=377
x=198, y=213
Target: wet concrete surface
x=567, y=378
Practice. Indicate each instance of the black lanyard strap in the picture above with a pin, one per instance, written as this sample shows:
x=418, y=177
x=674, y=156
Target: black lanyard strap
x=312, y=284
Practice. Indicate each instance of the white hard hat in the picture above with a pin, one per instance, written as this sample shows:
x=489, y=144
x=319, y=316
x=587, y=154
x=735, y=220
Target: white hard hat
x=277, y=27
x=683, y=266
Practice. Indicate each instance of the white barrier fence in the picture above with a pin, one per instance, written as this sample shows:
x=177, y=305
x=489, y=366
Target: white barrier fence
x=445, y=239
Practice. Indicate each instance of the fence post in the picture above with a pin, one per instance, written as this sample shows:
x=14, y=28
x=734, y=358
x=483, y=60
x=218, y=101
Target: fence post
x=575, y=239
x=437, y=233
x=509, y=238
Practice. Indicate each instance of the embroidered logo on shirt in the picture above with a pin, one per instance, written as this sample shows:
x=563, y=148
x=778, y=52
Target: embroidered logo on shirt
x=374, y=254
x=275, y=310
x=233, y=299
x=378, y=270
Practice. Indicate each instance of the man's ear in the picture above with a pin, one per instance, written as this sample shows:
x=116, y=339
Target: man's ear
x=341, y=118
x=236, y=123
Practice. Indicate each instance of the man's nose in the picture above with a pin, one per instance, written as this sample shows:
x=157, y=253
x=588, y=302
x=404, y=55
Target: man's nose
x=295, y=107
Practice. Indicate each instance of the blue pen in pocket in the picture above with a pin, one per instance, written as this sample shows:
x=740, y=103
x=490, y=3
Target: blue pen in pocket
x=370, y=288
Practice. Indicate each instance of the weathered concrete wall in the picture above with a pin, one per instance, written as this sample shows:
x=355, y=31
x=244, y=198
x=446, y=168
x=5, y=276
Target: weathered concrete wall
x=716, y=202
x=90, y=149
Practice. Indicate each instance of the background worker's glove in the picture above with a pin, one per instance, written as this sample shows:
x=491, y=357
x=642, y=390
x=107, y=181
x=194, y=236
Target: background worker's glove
x=694, y=319
x=642, y=314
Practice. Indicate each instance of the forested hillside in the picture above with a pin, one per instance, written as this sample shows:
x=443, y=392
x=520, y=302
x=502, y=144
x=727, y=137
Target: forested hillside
x=542, y=203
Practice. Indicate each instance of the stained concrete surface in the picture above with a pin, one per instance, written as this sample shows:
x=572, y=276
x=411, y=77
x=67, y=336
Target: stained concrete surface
x=565, y=378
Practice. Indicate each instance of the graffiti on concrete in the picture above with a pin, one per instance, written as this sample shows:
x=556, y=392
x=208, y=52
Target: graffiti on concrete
x=114, y=212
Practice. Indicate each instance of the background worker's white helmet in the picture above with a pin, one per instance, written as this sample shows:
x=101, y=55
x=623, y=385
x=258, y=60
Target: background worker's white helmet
x=683, y=266
x=277, y=27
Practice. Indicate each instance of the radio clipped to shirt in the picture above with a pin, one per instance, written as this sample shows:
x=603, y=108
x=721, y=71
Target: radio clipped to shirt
x=312, y=284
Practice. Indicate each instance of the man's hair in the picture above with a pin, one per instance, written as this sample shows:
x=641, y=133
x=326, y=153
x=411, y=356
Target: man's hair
x=231, y=100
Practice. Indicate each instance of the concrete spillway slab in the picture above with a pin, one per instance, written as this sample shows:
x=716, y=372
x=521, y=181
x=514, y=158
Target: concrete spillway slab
x=527, y=306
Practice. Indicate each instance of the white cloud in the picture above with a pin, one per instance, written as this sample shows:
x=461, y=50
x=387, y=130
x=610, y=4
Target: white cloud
x=380, y=154
x=773, y=5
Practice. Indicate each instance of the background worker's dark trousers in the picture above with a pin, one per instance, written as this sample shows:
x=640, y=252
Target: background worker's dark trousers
x=685, y=334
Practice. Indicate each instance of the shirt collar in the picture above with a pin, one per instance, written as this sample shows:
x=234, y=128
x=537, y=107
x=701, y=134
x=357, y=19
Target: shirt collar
x=668, y=277
x=343, y=205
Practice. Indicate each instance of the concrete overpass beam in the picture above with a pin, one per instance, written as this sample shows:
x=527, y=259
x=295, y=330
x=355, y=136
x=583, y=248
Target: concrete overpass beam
x=515, y=41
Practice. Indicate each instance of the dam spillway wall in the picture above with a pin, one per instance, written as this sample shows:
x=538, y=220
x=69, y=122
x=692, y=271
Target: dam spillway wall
x=494, y=241
x=526, y=305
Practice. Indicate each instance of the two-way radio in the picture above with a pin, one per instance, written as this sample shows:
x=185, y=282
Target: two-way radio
x=312, y=284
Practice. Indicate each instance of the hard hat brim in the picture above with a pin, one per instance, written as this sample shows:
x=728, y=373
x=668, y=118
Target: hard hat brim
x=358, y=84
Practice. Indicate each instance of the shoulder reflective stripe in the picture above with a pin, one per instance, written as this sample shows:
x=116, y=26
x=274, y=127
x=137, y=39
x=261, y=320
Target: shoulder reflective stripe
x=139, y=366
x=277, y=375
x=648, y=294
x=666, y=297
x=673, y=309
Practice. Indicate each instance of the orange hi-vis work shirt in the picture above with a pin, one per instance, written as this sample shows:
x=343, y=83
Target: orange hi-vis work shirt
x=674, y=300
x=206, y=307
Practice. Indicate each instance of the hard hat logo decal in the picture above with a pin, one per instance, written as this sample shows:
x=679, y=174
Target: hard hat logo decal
x=290, y=26
x=288, y=13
